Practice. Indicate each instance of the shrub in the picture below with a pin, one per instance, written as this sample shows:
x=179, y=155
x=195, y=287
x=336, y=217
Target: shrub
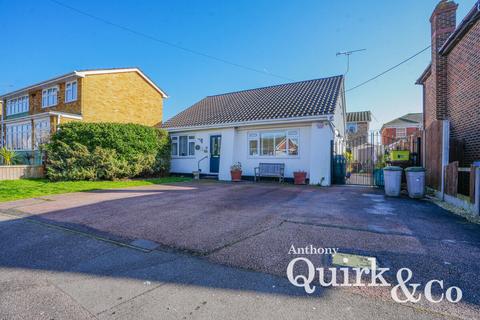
x=106, y=151
x=8, y=157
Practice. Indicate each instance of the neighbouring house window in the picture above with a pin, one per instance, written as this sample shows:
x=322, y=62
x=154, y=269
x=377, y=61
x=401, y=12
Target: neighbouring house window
x=273, y=143
x=71, y=91
x=401, y=132
x=19, y=136
x=352, y=127
x=41, y=132
x=183, y=146
x=17, y=105
x=49, y=97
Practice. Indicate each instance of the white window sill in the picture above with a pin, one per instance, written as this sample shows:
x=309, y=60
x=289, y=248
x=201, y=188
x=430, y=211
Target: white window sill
x=71, y=101
x=181, y=157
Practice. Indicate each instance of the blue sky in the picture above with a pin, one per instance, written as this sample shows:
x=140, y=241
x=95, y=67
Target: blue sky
x=296, y=39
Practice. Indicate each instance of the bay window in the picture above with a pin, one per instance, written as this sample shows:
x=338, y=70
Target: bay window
x=49, y=97
x=281, y=143
x=17, y=105
x=19, y=136
x=183, y=146
x=42, y=132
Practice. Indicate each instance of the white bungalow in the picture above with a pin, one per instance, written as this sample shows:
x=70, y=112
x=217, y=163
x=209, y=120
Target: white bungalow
x=293, y=124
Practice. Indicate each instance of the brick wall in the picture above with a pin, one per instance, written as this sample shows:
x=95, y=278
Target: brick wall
x=121, y=97
x=443, y=23
x=35, y=100
x=463, y=93
x=389, y=135
x=429, y=104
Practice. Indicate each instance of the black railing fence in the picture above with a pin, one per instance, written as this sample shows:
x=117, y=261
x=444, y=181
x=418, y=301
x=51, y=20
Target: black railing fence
x=359, y=159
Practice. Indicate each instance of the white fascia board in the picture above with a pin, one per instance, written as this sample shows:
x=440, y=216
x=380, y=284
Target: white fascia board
x=328, y=117
x=43, y=115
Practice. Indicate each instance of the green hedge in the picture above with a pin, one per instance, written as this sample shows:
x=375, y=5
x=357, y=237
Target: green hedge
x=106, y=151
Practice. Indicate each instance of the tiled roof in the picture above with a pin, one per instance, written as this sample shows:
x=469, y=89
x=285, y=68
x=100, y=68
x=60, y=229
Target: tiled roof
x=408, y=119
x=359, y=116
x=290, y=100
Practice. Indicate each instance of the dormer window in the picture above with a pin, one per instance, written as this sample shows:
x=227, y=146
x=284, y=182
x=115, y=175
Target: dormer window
x=49, y=97
x=71, y=91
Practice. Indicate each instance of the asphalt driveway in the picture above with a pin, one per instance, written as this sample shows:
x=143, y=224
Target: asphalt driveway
x=253, y=226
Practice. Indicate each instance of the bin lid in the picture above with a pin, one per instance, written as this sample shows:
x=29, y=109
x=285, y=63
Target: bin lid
x=392, y=168
x=415, y=169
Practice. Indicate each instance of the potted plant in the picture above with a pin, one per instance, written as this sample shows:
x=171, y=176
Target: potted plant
x=300, y=177
x=236, y=171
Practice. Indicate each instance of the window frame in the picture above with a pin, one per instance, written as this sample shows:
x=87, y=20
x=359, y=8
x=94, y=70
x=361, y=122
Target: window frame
x=353, y=124
x=288, y=135
x=45, y=90
x=74, y=97
x=14, y=136
x=400, y=136
x=17, y=105
x=190, y=152
x=38, y=128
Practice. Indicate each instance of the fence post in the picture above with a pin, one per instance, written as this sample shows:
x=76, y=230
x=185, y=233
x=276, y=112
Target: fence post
x=445, y=153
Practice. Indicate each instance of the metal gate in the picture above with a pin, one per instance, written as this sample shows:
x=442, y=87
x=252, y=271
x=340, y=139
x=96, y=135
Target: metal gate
x=359, y=159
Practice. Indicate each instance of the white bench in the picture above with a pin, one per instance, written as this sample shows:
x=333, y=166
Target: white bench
x=272, y=170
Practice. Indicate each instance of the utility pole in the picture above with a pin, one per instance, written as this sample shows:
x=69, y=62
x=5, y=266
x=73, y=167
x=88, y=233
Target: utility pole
x=348, y=54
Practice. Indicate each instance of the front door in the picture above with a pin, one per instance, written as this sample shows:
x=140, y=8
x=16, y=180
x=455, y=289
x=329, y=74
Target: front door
x=215, y=143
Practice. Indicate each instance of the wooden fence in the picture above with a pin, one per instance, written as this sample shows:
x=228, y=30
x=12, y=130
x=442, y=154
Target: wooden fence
x=433, y=154
x=21, y=171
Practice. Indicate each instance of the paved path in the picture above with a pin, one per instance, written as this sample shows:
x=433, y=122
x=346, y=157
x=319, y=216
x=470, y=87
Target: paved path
x=247, y=227
x=48, y=273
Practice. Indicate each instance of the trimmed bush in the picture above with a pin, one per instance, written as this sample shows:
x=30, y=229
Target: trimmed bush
x=106, y=151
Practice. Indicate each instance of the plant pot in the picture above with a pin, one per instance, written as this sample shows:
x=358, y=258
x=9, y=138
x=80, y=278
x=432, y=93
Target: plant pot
x=236, y=175
x=299, y=177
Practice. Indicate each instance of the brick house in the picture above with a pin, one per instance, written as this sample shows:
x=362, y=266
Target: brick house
x=31, y=114
x=358, y=126
x=401, y=127
x=451, y=82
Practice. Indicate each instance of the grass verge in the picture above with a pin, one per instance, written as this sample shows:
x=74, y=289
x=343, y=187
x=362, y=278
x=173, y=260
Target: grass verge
x=31, y=188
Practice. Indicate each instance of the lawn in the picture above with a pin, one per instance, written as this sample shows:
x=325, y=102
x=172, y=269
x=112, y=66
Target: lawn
x=30, y=188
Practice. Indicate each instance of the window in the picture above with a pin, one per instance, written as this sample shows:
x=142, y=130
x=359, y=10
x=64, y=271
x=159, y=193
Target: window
x=42, y=132
x=401, y=132
x=352, y=127
x=183, y=146
x=19, y=136
x=273, y=143
x=17, y=105
x=71, y=91
x=49, y=97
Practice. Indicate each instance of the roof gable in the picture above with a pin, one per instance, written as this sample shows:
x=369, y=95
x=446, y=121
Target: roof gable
x=291, y=100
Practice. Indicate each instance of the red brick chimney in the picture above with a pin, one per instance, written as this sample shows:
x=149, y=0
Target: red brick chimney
x=443, y=21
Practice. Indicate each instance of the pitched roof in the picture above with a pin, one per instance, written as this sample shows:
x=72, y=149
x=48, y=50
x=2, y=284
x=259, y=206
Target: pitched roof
x=413, y=119
x=359, y=116
x=291, y=100
x=83, y=73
